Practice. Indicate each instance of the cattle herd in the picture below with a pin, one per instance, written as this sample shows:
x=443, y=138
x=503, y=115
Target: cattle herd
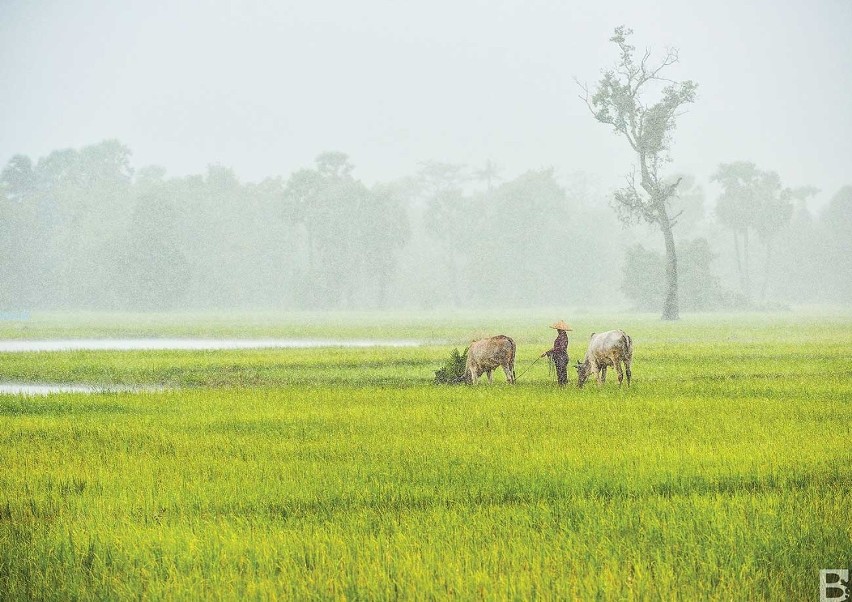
x=613, y=348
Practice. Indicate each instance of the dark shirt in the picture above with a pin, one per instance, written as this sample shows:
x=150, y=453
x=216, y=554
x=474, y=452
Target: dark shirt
x=560, y=345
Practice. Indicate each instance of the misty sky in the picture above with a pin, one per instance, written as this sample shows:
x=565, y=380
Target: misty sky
x=263, y=87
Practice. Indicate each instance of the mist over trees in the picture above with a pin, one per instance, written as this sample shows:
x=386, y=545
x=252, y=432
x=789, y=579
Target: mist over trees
x=346, y=236
x=83, y=229
x=837, y=252
x=754, y=200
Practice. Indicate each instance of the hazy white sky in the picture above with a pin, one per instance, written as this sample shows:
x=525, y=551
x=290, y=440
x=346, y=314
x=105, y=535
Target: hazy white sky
x=263, y=87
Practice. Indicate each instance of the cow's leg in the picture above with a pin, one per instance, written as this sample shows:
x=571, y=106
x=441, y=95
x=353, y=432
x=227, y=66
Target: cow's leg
x=627, y=369
x=490, y=378
x=510, y=373
x=617, y=365
x=474, y=377
x=603, y=375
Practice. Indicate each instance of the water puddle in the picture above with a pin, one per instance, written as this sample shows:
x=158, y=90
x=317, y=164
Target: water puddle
x=37, y=389
x=154, y=344
x=20, y=346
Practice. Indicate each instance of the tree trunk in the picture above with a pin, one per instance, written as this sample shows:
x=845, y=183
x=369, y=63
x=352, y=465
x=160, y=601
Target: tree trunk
x=454, y=283
x=670, y=305
x=383, y=291
x=766, y=270
x=310, y=251
x=739, y=261
x=746, y=275
x=651, y=185
x=452, y=273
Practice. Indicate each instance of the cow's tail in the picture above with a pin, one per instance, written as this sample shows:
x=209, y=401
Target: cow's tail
x=512, y=356
x=628, y=346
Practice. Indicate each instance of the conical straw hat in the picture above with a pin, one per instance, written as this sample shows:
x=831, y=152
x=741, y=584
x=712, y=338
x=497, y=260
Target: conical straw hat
x=561, y=325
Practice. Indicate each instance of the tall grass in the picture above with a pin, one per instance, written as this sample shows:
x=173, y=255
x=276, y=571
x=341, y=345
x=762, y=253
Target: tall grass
x=722, y=473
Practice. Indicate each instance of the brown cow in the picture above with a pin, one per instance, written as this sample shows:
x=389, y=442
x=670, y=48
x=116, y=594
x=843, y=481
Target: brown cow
x=486, y=355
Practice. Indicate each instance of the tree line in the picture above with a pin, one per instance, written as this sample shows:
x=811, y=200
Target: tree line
x=641, y=103
x=82, y=229
x=763, y=248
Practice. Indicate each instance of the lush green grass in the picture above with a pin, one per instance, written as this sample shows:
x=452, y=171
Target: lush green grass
x=724, y=472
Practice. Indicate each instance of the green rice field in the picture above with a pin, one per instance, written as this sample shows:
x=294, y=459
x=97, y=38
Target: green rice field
x=724, y=472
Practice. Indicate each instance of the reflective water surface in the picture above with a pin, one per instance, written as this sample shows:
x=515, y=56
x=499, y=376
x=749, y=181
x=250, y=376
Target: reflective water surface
x=48, y=389
x=14, y=346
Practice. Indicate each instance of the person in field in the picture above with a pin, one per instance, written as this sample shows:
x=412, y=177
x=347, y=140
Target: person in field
x=558, y=354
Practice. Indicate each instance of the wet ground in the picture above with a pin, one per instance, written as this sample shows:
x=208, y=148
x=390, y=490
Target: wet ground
x=154, y=344
x=20, y=346
x=33, y=389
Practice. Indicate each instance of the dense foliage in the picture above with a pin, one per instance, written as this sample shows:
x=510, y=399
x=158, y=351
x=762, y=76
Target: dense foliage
x=83, y=229
x=699, y=287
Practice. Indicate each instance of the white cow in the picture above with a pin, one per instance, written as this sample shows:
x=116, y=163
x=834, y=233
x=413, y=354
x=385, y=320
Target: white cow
x=611, y=348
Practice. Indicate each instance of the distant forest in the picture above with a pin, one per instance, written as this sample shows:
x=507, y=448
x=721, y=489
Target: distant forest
x=82, y=229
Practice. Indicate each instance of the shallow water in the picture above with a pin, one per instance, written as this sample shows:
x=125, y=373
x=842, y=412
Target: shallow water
x=20, y=346
x=48, y=389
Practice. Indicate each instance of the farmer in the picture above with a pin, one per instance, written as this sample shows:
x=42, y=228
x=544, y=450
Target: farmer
x=559, y=353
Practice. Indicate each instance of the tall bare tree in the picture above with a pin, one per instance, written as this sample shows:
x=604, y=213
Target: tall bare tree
x=621, y=100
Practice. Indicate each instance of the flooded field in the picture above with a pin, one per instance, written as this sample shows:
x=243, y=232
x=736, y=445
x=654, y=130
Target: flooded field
x=199, y=344
x=38, y=389
x=268, y=469
x=44, y=389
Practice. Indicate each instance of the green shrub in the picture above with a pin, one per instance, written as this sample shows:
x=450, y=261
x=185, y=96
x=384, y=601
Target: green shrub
x=453, y=371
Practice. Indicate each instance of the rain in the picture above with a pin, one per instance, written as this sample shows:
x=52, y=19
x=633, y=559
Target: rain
x=328, y=156
x=464, y=300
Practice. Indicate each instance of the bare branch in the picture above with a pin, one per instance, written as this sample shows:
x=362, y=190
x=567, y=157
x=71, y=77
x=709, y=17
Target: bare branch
x=585, y=97
x=671, y=188
x=633, y=202
x=644, y=60
x=674, y=218
x=670, y=59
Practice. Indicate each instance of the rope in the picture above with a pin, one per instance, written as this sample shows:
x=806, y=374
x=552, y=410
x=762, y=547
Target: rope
x=528, y=368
